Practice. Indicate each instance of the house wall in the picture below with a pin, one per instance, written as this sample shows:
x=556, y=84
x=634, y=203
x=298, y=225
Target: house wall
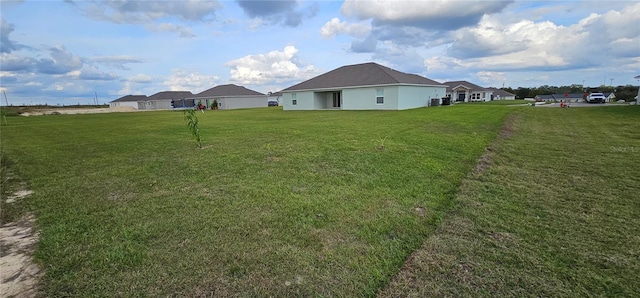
x=229, y=103
x=163, y=104
x=395, y=98
x=365, y=98
x=412, y=97
x=305, y=100
x=133, y=104
x=505, y=97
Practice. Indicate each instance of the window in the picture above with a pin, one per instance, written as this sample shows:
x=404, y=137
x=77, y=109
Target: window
x=379, y=96
x=294, y=101
x=475, y=96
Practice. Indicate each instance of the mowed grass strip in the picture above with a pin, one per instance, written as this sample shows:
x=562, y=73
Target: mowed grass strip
x=275, y=204
x=553, y=212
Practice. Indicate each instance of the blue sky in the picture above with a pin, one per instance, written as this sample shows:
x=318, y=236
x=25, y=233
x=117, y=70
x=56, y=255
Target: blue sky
x=66, y=52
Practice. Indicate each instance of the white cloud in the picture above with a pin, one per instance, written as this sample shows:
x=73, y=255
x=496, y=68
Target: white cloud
x=62, y=61
x=92, y=73
x=491, y=78
x=290, y=13
x=14, y=62
x=117, y=61
x=6, y=45
x=169, y=27
x=275, y=66
x=335, y=27
x=140, y=78
x=440, y=14
x=141, y=12
x=184, y=80
x=545, y=45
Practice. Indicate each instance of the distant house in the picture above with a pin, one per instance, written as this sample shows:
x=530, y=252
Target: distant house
x=463, y=91
x=162, y=100
x=568, y=97
x=231, y=96
x=128, y=101
x=609, y=97
x=499, y=94
x=367, y=86
x=275, y=96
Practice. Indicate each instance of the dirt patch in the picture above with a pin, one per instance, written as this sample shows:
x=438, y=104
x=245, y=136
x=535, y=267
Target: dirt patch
x=507, y=131
x=18, y=195
x=19, y=275
x=66, y=111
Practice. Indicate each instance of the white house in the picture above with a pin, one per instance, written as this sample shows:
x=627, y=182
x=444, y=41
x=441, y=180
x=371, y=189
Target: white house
x=463, y=91
x=128, y=101
x=367, y=86
x=231, y=97
x=162, y=100
x=499, y=94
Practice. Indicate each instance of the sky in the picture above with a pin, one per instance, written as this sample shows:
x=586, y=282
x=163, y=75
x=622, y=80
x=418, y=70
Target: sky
x=81, y=52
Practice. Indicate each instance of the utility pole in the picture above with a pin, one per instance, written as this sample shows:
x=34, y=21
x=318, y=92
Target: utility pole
x=5, y=97
x=611, y=83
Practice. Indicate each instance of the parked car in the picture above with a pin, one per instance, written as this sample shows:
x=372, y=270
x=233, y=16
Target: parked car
x=595, y=97
x=272, y=103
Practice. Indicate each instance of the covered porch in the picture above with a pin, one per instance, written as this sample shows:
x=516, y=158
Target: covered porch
x=328, y=100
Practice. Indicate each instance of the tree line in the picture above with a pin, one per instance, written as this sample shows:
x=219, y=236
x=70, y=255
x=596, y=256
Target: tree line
x=627, y=92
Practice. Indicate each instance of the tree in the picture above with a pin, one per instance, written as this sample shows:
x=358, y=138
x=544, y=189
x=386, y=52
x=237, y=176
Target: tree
x=192, y=123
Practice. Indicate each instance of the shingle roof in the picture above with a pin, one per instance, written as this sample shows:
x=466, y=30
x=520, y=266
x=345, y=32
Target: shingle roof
x=170, y=95
x=470, y=86
x=228, y=90
x=500, y=92
x=366, y=74
x=131, y=98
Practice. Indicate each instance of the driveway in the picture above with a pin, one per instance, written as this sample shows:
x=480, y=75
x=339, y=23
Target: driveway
x=583, y=105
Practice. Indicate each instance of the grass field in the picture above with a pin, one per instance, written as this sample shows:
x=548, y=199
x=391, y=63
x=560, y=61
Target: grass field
x=553, y=212
x=277, y=203
x=309, y=204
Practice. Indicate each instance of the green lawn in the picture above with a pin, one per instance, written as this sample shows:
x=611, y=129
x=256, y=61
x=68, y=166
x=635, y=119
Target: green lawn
x=275, y=204
x=553, y=212
x=308, y=204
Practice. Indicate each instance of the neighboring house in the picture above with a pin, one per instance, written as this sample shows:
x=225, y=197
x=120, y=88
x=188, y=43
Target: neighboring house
x=609, y=97
x=463, y=91
x=275, y=96
x=499, y=94
x=367, y=86
x=128, y=101
x=231, y=97
x=162, y=100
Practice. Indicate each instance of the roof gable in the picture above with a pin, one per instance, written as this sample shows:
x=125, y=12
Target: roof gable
x=467, y=85
x=500, y=92
x=228, y=90
x=366, y=74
